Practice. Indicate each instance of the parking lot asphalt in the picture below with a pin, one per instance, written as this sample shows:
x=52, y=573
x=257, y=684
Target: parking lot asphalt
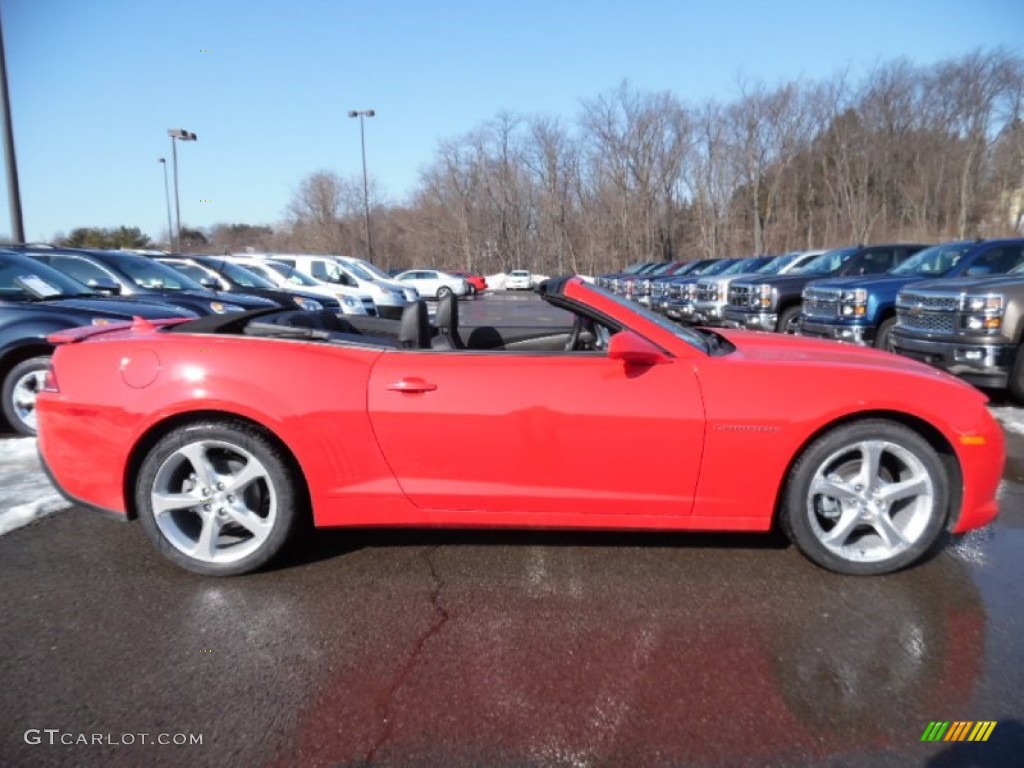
x=452, y=648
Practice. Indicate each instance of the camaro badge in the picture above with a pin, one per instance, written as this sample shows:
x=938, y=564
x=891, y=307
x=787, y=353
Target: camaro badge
x=959, y=730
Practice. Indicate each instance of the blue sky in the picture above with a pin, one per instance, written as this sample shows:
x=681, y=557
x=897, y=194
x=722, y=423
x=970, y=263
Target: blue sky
x=95, y=84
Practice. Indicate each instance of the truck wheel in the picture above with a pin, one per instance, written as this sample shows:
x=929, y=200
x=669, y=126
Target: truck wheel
x=789, y=320
x=1016, y=382
x=883, y=333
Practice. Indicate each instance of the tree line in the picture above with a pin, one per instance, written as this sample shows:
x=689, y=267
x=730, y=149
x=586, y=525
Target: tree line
x=902, y=152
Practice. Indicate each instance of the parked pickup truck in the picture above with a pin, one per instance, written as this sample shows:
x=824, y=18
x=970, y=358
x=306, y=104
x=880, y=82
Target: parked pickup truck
x=713, y=292
x=773, y=303
x=680, y=292
x=862, y=310
x=972, y=327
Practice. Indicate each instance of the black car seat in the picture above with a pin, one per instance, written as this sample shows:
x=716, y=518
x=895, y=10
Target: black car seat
x=447, y=322
x=414, y=331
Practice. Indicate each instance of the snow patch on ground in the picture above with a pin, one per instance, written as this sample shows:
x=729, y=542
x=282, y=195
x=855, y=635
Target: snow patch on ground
x=25, y=492
x=1011, y=418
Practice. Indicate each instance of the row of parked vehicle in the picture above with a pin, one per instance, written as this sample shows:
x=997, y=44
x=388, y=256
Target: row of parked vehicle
x=958, y=306
x=45, y=289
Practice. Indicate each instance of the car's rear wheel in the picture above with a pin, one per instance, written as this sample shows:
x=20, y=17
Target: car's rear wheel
x=21, y=386
x=472, y=289
x=443, y=291
x=789, y=320
x=218, y=498
x=866, y=498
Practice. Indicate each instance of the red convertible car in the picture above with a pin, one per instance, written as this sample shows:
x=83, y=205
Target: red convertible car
x=223, y=434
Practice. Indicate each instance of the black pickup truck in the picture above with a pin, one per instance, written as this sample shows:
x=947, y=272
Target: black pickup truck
x=36, y=301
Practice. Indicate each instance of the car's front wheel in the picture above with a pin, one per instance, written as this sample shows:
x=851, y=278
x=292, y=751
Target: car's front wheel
x=866, y=498
x=218, y=498
x=789, y=320
x=443, y=291
x=21, y=385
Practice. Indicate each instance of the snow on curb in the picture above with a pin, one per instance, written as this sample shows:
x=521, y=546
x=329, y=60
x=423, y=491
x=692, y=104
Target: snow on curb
x=25, y=492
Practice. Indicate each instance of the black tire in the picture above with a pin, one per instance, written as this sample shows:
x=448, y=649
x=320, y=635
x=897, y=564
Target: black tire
x=884, y=334
x=803, y=521
x=472, y=289
x=20, y=421
x=1016, y=383
x=443, y=291
x=282, y=484
x=789, y=320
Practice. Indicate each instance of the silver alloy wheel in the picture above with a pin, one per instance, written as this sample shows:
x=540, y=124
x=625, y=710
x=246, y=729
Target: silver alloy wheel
x=870, y=501
x=214, y=501
x=26, y=389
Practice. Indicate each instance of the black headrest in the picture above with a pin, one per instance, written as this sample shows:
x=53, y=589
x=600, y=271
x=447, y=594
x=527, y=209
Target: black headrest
x=447, y=317
x=414, y=330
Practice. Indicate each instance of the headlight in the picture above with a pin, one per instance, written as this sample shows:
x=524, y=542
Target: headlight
x=762, y=296
x=308, y=304
x=982, y=313
x=854, y=303
x=220, y=308
x=983, y=303
x=690, y=291
x=350, y=301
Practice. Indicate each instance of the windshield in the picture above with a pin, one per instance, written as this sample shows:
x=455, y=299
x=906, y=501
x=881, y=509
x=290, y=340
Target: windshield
x=679, y=331
x=715, y=267
x=777, y=264
x=239, y=275
x=373, y=269
x=827, y=263
x=22, y=278
x=359, y=269
x=743, y=265
x=152, y=275
x=291, y=274
x=194, y=271
x=934, y=261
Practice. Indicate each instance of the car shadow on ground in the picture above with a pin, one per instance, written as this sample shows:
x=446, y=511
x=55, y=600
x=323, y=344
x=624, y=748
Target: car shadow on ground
x=312, y=546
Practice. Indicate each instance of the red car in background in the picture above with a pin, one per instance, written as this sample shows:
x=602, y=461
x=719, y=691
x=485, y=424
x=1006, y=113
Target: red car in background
x=477, y=283
x=221, y=434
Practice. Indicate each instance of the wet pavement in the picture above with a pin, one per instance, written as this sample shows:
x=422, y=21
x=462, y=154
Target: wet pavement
x=409, y=648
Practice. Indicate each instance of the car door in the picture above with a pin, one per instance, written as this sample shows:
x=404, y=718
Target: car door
x=559, y=433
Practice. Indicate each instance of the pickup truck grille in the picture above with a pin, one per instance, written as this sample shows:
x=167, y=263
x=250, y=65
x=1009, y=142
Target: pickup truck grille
x=821, y=302
x=707, y=292
x=925, y=301
x=927, y=322
x=739, y=295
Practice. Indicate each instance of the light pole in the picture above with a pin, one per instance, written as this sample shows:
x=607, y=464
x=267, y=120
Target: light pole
x=167, y=197
x=13, y=191
x=181, y=135
x=361, y=113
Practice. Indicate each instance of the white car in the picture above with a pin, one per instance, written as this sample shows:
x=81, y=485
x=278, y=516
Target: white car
x=519, y=280
x=431, y=282
x=390, y=296
x=353, y=301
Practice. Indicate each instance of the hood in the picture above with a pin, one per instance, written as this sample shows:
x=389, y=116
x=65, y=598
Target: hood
x=781, y=282
x=878, y=282
x=798, y=350
x=114, y=307
x=961, y=284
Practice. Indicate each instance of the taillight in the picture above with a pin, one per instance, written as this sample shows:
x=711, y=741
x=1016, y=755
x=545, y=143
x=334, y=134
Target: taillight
x=50, y=382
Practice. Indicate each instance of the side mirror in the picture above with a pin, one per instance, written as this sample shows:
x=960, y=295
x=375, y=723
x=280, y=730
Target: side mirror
x=635, y=350
x=105, y=285
x=210, y=283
